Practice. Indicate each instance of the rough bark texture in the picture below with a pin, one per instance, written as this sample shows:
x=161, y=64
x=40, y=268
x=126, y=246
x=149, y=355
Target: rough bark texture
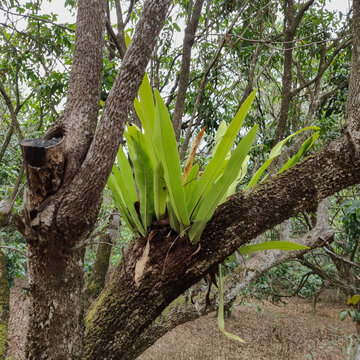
x=61, y=207
x=4, y=306
x=85, y=193
x=55, y=271
x=185, y=66
x=182, y=310
x=291, y=23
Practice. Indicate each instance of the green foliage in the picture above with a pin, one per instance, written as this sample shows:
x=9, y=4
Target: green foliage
x=15, y=260
x=271, y=245
x=276, y=151
x=210, y=200
x=158, y=173
x=221, y=321
x=285, y=280
x=352, y=313
x=166, y=147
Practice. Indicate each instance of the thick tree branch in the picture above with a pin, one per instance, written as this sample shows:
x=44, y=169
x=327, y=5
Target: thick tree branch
x=87, y=186
x=182, y=310
x=82, y=106
x=235, y=223
x=185, y=65
x=291, y=23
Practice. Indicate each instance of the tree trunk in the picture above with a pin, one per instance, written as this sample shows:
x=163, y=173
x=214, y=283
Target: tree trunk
x=292, y=21
x=55, y=254
x=67, y=171
x=102, y=260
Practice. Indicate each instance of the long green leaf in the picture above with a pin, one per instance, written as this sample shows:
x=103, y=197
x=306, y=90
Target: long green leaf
x=191, y=181
x=277, y=148
x=146, y=98
x=119, y=201
x=304, y=148
x=221, y=321
x=128, y=200
x=275, y=152
x=212, y=199
x=232, y=188
x=160, y=191
x=166, y=147
x=271, y=245
x=145, y=110
x=144, y=175
x=219, y=135
x=174, y=222
x=216, y=165
x=127, y=173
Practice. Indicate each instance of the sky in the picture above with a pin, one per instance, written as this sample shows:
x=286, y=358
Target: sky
x=57, y=7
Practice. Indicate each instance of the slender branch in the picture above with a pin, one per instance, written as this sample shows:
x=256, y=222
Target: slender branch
x=204, y=81
x=11, y=110
x=130, y=9
x=326, y=249
x=172, y=91
x=16, y=187
x=120, y=25
x=95, y=169
x=6, y=141
x=23, y=253
x=300, y=14
x=321, y=69
x=38, y=18
x=115, y=39
x=189, y=37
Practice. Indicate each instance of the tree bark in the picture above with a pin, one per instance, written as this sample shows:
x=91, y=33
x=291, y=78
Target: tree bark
x=291, y=23
x=189, y=37
x=102, y=260
x=182, y=310
x=55, y=271
x=57, y=219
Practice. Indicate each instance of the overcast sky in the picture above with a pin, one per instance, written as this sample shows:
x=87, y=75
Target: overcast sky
x=57, y=7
